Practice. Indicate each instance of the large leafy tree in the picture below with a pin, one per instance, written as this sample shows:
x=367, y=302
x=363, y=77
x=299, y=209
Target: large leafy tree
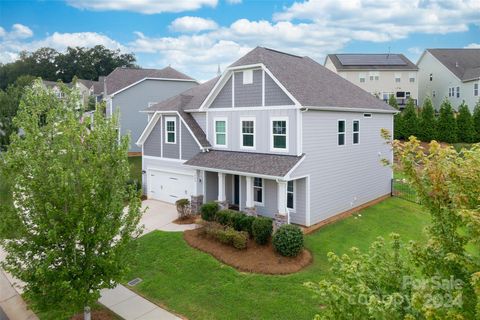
x=446, y=123
x=465, y=124
x=438, y=279
x=427, y=129
x=9, y=100
x=397, y=119
x=69, y=187
x=410, y=120
x=476, y=120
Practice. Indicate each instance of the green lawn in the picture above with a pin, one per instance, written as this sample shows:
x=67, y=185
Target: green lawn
x=198, y=286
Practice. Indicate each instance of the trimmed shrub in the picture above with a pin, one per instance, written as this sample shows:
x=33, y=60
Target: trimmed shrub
x=288, y=240
x=446, y=123
x=183, y=207
x=409, y=120
x=238, y=239
x=208, y=211
x=228, y=236
x=427, y=130
x=242, y=222
x=465, y=124
x=262, y=230
x=225, y=217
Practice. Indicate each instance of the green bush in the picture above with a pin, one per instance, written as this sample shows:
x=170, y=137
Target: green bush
x=446, y=123
x=262, y=230
x=183, y=207
x=225, y=217
x=208, y=211
x=465, y=124
x=228, y=236
x=242, y=222
x=410, y=120
x=238, y=239
x=288, y=240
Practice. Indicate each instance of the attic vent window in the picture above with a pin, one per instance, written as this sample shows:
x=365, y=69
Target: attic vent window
x=248, y=77
x=367, y=115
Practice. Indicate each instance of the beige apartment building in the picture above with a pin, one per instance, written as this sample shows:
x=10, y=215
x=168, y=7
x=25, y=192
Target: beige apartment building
x=382, y=75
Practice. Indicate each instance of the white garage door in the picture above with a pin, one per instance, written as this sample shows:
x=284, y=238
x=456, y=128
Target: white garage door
x=169, y=186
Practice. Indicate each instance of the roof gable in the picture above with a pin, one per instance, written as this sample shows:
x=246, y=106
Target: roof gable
x=463, y=63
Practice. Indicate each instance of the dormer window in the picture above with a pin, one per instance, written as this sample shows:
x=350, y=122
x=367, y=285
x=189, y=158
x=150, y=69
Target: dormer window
x=247, y=76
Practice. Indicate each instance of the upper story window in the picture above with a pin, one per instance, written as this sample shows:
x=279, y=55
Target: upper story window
x=247, y=76
x=450, y=92
x=431, y=76
x=341, y=132
x=475, y=89
x=458, y=92
x=279, y=134
x=411, y=77
x=170, y=129
x=356, y=131
x=398, y=77
x=221, y=132
x=361, y=77
x=291, y=194
x=248, y=132
x=374, y=75
x=258, y=190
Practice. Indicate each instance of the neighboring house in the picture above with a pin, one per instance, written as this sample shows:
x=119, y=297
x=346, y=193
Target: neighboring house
x=55, y=86
x=382, y=75
x=450, y=73
x=130, y=90
x=276, y=134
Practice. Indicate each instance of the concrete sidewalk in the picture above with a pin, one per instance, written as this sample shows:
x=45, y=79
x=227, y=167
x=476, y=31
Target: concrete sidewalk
x=11, y=302
x=130, y=306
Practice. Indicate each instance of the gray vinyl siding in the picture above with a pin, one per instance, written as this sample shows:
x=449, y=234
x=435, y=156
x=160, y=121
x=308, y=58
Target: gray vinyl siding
x=263, y=134
x=224, y=97
x=343, y=177
x=172, y=150
x=269, y=207
x=189, y=145
x=153, y=143
x=298, y=215
x=248, y=95
x=136, y=98
x=274, y=95
x=201, y=119
x=211, y=186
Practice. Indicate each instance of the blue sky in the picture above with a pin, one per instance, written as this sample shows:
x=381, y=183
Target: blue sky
x=196, y=36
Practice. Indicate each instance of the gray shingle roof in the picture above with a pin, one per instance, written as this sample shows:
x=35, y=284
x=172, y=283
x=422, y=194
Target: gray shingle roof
x=123, y=77
x=464, y=63
x=248, y=162
x=311, y=83
x=365, y=61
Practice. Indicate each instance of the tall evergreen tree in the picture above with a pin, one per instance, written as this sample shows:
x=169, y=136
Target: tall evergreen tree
x=410, y=119
x=446, y=124
x=465, y=125
x=476, y=120
x=427, y=129
x=397, y=119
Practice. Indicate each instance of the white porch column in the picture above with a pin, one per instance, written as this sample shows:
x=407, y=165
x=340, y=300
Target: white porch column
x=249, y=195
x=282, y=197
x=221, y=187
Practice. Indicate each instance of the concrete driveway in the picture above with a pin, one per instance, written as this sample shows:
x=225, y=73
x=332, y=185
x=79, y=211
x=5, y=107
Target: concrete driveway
x=160, y=216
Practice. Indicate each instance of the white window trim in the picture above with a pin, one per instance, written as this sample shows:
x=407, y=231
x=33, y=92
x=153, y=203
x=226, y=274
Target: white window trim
x=215, y=132
x=294, y=196
x=286, y=136
x=261, y=204
x=353, y=132
x=254, y=133
x=247, y=76
x=174, y=119
x=344, y=133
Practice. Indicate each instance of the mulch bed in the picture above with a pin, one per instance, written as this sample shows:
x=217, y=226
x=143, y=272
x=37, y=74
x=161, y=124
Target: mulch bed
x=186, y=220
x=256, y=258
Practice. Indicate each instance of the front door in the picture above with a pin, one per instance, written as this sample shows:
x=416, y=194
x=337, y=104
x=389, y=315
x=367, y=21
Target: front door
x=236, y=190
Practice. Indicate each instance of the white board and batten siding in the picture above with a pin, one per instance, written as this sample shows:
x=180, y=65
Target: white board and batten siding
x=343, y=177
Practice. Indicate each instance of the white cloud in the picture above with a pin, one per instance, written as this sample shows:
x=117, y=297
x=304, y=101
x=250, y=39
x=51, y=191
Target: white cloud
x=142, y=6
x=473, y=46
x=192, y=24
x=234, y=1
x=2, y=32
x=18, y=31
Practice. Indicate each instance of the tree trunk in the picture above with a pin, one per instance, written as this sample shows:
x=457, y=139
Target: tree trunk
x=86, y=313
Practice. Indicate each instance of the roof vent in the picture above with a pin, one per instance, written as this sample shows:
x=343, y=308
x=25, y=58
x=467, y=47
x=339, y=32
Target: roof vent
x=456, y=64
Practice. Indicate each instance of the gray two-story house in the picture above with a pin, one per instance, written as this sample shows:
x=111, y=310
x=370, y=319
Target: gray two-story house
x=130, y=90
x=276, y=135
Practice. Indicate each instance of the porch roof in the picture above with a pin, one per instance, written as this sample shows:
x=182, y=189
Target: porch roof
x=262, y=164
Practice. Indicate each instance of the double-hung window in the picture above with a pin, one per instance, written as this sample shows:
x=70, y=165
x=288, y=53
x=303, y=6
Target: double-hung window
x=398, y=77
x=341, y=132
x=356, y=131
x=475, y=89
x=291, y=194
x=258, y=190
x=279, y=134
x=221, y=132
x=411, y=77
x=247, y=133
x=458, y=92
x=361, y=77
x=170, y=129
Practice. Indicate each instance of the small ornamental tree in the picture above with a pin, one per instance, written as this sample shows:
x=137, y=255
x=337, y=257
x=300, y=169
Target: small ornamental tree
x=397, y=119
x=446, y=123
x=69, y=186
x=465, y=125
x=427, y=129
x=410, y=120
x=476, y=121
